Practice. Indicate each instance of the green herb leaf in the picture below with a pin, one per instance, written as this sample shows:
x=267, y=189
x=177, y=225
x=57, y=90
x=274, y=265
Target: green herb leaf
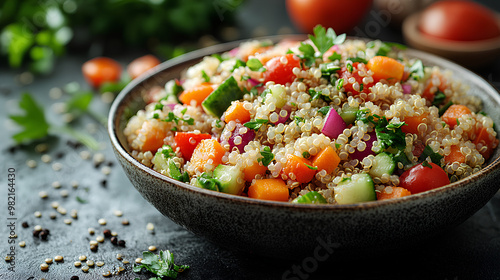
x=255, y=125
x=162, y=266
x=207, y=182
x=267, y=156
x=426, y=164
x=218, y=56
x=298, y=120
x=325, y=39
x=417, y=70
x=33, y=121
x=439, y=97
x=167, y=151
x=239, y=63
x=308, y=54
x=255, y=65
x=348, y=66
x=340, y=84
x=314, y=94
x=458, y=122
x=172, y=117
x=306, y=155
x=311, y=167
x=80, y=101
x=358, y=59
x=335, y=56
x=428, y=152
x=328, y=69
x=206, y=78
x=324, y=110
x=444, y=108
x=80, y=200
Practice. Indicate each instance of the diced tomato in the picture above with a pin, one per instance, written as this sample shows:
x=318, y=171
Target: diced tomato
x=346, y=74
x=279, y=72
x=422, y=178
x=187, y=142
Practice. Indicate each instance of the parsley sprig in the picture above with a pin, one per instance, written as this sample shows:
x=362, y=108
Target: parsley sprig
x=162, y=265
x=256, y=124
x=255, y=65
x=267, y=156
x=388, y=134
x=323, y=39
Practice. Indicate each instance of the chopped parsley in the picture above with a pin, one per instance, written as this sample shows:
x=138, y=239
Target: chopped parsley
x=267, y=156
x=308, y=54
x=239, y=63
x=426, y=164
x=348, y=66
x=184, y=111
x=167, y=151
x=324, y=110
x=162, y=265
x=358, y=59
x=256, y=124
x=328, y=69
x=158, y=106
x=324, y=39
x=218, y=56
x=156, y=116
x=385, y=47
x=311, y=167
x=458, y=122
x=298, y=120
x=340, y=84
x=255, y=65
x=172, y=117
x=428, y=152
x=206, y=78
x=388, y=134
x=444, y=108
x=439, y=97
x=306, y=155
x=417, y=70
x=335, y=56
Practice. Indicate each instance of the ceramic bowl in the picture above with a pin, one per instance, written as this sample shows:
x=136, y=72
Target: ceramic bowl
x=474, y=54
x=281, y=229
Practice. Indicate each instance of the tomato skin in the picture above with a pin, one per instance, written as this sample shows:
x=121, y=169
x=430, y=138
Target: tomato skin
x=187, y=142
x=345, y=74
x=421, y=178
x=341, y=15
x=141, y=65
x=100, y=70
x=459, y=20
x=281, y=73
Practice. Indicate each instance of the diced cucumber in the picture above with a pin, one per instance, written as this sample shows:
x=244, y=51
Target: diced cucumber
x=348, y=114
x=313, y=197
x=227, y=177
x=175, y=173
x=220, y=99
x=160, y=161
x=165, y=164
x=173, y=89
x=358, y=188
x=383, y=163
x=279, y=93
x=205, y=181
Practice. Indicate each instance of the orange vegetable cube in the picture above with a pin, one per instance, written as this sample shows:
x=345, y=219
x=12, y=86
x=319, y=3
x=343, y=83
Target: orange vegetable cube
x=269, y=189
x=455, y=155
x=207, y=150
x=236, y=112
x=387, y=68
x=453, y=113
x=299, y=169
x=413, y=123
x=327, y=159
x=197, y=93
x=154, y=132
x=250, y=171
x=396, y=192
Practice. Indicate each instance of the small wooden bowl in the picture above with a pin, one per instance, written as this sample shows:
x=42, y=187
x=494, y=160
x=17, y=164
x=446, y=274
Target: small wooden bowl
x=473, y=54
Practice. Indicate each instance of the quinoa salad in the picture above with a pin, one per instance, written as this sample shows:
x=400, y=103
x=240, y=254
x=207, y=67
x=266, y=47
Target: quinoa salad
x=326, y=120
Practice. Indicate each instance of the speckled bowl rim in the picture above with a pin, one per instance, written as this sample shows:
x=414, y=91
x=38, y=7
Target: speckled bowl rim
x=113, y=122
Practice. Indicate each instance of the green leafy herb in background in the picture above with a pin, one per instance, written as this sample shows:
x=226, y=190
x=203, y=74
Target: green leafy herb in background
x=162, y=265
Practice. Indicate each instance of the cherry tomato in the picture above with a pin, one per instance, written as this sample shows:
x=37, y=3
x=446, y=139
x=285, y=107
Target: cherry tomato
x=279, y=72
x=141, y=65
x=100, y=70
x=341, y=15
x=422, y=178
x=459, y=20
x=346, y=73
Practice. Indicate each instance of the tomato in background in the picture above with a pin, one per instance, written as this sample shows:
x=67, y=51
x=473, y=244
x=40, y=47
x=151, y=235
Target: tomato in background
x=100, y=70
x=459, y=20
x=279, y=72
x=422, y=178
x=141, y=65
x=341, y=15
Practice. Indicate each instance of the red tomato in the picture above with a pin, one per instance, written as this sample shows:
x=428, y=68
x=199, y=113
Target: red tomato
x=141, y=65
x=459, y=20
x=281, y=73
x=422, y=178
x=345, y=74
x=341, y=15
x=187, y=142
x=100, y=70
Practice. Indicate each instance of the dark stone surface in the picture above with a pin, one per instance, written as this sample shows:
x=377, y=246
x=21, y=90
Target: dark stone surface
x=470, y=251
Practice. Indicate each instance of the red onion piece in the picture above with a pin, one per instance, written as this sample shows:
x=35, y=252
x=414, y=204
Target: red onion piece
x=334, y=124
x=171, y=106
x=406, y=88
x=368, y=151
x=234, y=52
x=281, y=119
x=253, y=82
x=246, y=137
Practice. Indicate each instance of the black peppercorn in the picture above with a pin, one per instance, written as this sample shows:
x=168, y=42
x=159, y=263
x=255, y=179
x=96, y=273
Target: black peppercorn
x=36, y=233
x=25, y=224
x=44, y=235
x=114, y=240
x=75, y=277
x=121, y=243
x=107, y=233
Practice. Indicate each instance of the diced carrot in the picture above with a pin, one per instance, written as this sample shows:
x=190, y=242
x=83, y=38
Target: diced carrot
x=269, y=189
x=187, y=142
x=250, y=171
x=236, y=112
x=396, y=192
x=483, y=138
x=154, y=134
x=387, y=68
x=453, y=113
x=430, y=89
x=299, y=168
x=207, y=149
x=327, y=159
x=455, y=155
x=197, y=93
x=412, y=123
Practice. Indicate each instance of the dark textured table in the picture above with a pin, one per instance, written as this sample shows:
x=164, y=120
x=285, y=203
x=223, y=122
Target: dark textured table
x=470, y=251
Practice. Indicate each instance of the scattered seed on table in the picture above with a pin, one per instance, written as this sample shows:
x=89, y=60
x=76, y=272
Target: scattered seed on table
x=121, y=243
x=22, y=244
x=114, y=240
x=107, y=97
x=68, y=221
x=43, y=194
x=150, y=227
x=93, y=248
x=46, y=158
x=41, y=148
x=138, y=260
x=120, y=269
x=77, y=264
x=114, y=233
x=107, y=233
x=85, y=269
x=74, y=214
x=38, y=228
x=106, y=170
x=98, y=158
x=53, y=215
x=106, y=274
x=125, y=262
x=62, y=210
x=8, y=258
x=104, y=182
x=119, y=256
x=54, y=204
x=82, y=258
x=57, y=166
x=64, y=193
x=152, y=248
x=85, y=155
x=74, y=277
x=74, y=184
x=25, y=225
x=31, y=163
x=58, y=258
x=56, y=184
x=91, y=231
x=99, y=239
x=118, y=213
x=48, y=260
x=93, y=242
x=36, y=233
x=90, y=263
x=102, y=222
x=13, y=236
x=91, y=128
x=44, y=267
x=38, y=214
x=99, y=263
x=44, y=234
x=125, y=222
